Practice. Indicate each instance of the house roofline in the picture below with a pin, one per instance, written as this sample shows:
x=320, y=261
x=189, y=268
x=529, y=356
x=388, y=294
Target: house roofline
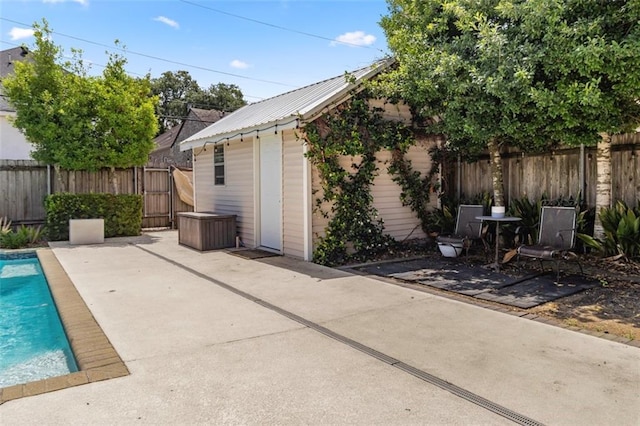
x=311, y=112
x=287, y=123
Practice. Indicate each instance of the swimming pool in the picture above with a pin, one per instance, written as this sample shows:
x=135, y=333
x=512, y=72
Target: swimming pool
x=33, y=344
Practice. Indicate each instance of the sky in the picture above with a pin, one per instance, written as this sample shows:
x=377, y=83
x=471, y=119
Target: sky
x=264, y=47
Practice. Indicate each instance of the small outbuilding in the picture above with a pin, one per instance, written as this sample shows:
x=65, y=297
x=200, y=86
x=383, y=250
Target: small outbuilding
x=252, y=164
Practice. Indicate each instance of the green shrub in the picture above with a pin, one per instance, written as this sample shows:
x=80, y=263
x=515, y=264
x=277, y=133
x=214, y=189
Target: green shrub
x=441, y=221
x=14, y=240
x=33, y=233
x=621, y=225
x=20, y=238
x=122, y=213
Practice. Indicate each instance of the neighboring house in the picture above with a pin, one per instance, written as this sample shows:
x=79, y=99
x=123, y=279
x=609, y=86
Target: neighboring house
x=13, y=144
x=167, y=149
x=164, y=143
x=251, y=163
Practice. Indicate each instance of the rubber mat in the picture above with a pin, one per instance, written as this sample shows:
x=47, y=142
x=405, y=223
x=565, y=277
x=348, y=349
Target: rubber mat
x=538, y=290
x=524, y=291
x=252, y=253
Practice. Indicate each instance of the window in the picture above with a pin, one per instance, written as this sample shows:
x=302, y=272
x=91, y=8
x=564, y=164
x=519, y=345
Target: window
x=218, y=164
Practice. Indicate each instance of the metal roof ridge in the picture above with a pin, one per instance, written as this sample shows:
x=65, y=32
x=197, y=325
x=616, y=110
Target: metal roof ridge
x=372, y=66
x=312, y=98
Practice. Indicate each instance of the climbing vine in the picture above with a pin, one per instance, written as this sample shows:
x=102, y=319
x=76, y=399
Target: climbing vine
x=354, y=129
x=415, y=187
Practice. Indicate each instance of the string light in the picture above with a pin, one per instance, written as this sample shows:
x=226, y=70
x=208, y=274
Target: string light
x=241, y=134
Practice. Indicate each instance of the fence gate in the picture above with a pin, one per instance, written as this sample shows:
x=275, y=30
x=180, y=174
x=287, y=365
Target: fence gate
x=157, y=190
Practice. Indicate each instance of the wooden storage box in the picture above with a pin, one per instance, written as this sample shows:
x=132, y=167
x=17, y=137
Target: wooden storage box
x=206, y=231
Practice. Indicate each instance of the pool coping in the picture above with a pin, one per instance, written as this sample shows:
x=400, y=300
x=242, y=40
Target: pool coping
x=95, y=356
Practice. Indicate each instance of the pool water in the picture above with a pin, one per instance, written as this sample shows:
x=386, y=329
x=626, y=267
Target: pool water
x=33, y=344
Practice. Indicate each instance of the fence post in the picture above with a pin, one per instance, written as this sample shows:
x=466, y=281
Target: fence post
x=170, y=176
x=48, y=179
x=581, y=177
x=459, y=177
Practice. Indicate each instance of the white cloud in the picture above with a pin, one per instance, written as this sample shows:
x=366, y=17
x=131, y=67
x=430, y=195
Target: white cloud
x=169, y=22
x=20, y=33
x=355, y=38
x=236, y=63
x=82, y=2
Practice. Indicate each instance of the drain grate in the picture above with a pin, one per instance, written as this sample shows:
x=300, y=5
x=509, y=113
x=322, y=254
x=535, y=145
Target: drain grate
x=423, y=375
x=467, y=395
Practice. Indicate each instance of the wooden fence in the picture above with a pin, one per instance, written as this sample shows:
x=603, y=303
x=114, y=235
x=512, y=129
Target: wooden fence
x=25, y=183
x=561, y=173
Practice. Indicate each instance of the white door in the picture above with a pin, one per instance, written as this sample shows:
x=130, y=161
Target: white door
x=271, y=192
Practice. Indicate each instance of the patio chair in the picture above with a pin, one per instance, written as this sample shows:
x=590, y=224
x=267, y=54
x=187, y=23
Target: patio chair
x=556, y=238
x=468, y=229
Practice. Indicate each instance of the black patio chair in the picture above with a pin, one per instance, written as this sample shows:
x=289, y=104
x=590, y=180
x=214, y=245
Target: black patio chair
x=556, y=238
x=468, y=228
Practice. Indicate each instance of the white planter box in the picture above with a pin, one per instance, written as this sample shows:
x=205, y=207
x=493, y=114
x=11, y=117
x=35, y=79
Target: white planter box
x=86, y=231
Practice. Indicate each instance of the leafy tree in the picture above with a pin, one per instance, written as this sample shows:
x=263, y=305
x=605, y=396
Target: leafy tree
x=76, y=121
x=464, y=64
x=589, y=85
x=173, y=90
x=125, y=121
x=524, y=73
x=177, y=91
x=221, y=96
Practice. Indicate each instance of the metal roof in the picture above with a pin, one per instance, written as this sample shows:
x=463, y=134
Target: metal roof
x=283, y=110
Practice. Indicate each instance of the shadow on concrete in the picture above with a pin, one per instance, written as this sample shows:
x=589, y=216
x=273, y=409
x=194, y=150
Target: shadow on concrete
x=143, y=239
x=306, y=268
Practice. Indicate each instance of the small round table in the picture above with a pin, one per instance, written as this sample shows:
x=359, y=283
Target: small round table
x=498, y=220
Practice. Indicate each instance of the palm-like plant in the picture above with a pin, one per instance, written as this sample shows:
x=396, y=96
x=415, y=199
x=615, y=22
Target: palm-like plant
x=529, y=212
x=5, y=225
x=621, y=225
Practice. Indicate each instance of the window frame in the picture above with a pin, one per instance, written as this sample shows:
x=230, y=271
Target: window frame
x=218, y=150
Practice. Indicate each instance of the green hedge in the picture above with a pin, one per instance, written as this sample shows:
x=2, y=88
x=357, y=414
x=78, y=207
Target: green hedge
x=122, y=213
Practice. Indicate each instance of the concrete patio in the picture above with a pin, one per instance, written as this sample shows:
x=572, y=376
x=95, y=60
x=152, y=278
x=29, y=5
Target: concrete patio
x=212, y=338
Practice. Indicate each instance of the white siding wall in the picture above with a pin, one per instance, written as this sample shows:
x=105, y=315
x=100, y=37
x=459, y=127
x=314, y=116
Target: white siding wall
x=392, y=112
x=13, y=144
x=399, y=221
x=318, y=221
x=203, y=179
x=293, y=202
x=236, y=196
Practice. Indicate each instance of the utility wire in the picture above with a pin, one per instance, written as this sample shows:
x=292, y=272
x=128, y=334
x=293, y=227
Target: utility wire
x=129, y=72
x=268, y=24
x=158, y=58
x=91, y=63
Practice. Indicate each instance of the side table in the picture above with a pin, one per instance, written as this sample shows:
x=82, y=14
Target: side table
x=499, y=220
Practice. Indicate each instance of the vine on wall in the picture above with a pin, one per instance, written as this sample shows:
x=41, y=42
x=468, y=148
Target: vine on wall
x=355, y=232
x=416, y=188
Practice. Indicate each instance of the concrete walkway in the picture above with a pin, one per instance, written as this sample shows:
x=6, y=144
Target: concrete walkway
x=211, y=338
